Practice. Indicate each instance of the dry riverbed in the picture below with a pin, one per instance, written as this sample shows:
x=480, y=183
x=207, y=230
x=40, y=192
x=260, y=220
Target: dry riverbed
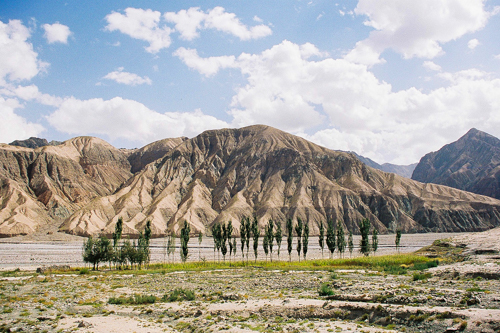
x=460, y=296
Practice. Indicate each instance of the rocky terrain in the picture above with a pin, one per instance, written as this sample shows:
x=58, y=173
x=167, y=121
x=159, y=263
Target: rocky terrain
x=84, y=185
x=472, y=163
x=461, y=295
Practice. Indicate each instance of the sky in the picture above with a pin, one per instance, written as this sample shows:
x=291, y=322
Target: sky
x=389, y=79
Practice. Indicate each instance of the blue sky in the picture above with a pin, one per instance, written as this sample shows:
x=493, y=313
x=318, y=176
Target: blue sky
x=389, y=79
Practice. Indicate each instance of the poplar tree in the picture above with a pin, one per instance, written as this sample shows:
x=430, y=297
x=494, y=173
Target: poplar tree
x=265, y=244
x=374, y=240
x=364, y=245
x=256, y=235
x=200, y=239
x=298, y=230
x=243, y=235
x=270, y=237
x=234, y=247
x=398, y=239
x=278, y=236
x=350, y=243
x=184, y=241
x=341, y=239
x=289, y=239
x=147, y=238
x=305, y=241
x=321, y=238
x=223, y=246
x=330, y=237
x=248, y=230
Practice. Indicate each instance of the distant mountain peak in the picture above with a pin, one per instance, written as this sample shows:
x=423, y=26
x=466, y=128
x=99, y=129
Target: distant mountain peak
x=472, y=163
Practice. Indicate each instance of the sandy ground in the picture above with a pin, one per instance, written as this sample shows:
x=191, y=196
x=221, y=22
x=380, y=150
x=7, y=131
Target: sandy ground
x=19, y=252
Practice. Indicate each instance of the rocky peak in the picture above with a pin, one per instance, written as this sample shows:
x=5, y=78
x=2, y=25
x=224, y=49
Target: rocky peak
x=471, y=163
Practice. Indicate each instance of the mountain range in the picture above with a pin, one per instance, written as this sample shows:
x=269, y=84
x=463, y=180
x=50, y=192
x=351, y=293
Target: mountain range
x=84, y=185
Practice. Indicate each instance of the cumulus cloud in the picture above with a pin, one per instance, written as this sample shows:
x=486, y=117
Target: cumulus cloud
x=151, y=26
x=473, y=43
x=56, y=33
x=415, y=28
x=127, y=119
x=127, y=78
x=289, y=88
x=189, y=22
x=432, y=66
x=143, y=25
x=18, y=61
x=13, y=126
x=206, y=66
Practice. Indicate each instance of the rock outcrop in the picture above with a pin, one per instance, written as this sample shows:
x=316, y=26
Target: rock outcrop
x=47, y=184
x=223, y=175
x=472, y=164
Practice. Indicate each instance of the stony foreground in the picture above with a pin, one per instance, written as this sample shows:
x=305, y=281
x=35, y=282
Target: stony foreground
x=254, y=299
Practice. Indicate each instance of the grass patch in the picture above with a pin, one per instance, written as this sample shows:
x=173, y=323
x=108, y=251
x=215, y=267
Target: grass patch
x=179, y=294
x=421, y=276
x=133, y=300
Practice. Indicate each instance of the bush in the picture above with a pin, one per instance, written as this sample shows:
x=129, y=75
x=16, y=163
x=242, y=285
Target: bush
x=325, y=290
x=179, y=294
x=421, y=276
x=425, y=265
x=82, y=271
x=134, y=300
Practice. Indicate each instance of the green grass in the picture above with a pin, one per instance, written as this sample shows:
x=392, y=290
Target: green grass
x=133, y=300
x=380, y=263
x=179, y=294
x=421, y=276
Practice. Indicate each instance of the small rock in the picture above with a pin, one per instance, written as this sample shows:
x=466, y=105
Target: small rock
x=198, y=313
x=84, y=324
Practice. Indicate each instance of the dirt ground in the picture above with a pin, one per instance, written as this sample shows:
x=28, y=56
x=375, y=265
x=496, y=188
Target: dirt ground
x=462, y=296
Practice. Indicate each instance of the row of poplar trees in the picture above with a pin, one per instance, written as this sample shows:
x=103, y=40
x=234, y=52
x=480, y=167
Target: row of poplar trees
x=125, y=253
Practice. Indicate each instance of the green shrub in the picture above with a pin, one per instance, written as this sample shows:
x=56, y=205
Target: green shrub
x=421, y=276
x=179, y=294
x=425, y=265
x=82, y=271
x=134, y=300
x=325, y=290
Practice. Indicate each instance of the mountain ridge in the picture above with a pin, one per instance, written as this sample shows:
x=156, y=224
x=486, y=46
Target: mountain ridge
x=217, y=176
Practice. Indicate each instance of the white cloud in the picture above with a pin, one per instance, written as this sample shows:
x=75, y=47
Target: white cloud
x=415, y=28
x=127, y=78
x=143, y=25
x=189, y=22
x=127, y=119
x=12, y=126
x=257, y=19
x=206, y=66
x=56, y=33
x=289, y=90
x=219, y=19
x=432, y=66
x=18, y=61
x=497, y=57
x=473, y=43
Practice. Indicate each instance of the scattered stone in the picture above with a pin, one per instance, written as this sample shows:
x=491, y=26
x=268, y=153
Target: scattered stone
x=84, y=324
x=45, y=269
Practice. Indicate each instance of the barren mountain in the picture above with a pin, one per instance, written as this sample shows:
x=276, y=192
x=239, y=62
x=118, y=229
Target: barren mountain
x=46, y=184
x=402, y=170
x=472, y=163
x=223, y=175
